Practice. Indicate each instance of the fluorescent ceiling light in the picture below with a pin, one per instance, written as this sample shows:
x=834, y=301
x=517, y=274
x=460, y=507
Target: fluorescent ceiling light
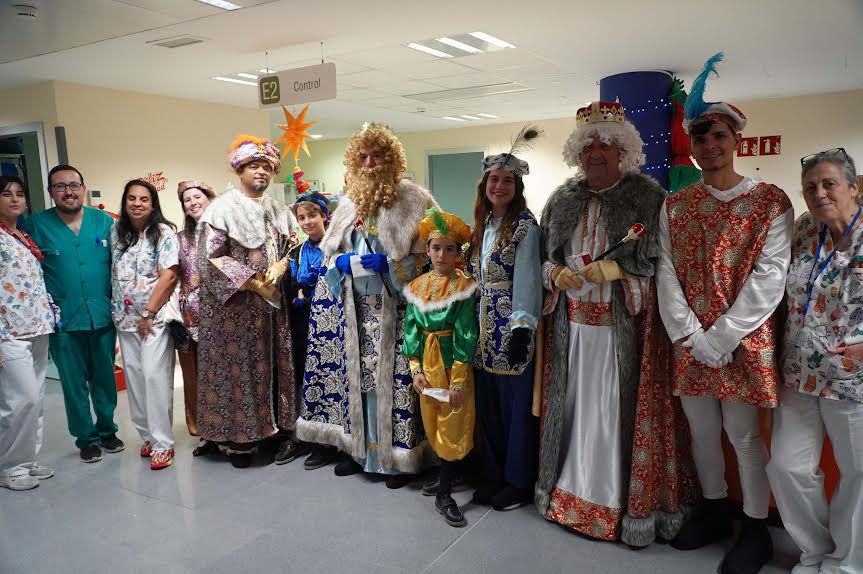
x=453, y=119
x=469, y=117
x=234, y=80
x=267, y=71
x=491, y=40
x=460, y=45
x=315, y=136
x=428, y=50
x=488, y=116
x=221, y=4
x=245, y=75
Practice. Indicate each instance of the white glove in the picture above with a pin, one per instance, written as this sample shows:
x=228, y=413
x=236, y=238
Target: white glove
x=704, y=352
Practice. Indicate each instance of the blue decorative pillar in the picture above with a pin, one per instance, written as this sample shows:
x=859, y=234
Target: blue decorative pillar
x=644, y=96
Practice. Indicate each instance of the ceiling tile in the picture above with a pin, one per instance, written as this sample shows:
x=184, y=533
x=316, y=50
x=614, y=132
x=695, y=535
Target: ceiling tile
x=502, y=60
x=468, y=80
x=434, y=69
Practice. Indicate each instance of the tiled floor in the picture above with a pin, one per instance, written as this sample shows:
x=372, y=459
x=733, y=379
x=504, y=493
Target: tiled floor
x=204, y=516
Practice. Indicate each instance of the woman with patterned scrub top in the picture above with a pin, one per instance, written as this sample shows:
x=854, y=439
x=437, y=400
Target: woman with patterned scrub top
x=822, y=372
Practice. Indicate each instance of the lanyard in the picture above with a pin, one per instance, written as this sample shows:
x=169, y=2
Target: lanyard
x=810, y=282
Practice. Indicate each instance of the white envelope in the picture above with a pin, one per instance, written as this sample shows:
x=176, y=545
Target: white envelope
x=357, y=269
x=441, y=395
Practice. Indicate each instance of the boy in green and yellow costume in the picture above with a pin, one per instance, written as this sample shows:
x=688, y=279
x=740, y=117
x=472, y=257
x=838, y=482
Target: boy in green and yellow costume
x=440, y=333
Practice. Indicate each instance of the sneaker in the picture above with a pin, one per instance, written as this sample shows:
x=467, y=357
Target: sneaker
x=291, y=450
x=321, y=456
x=510, y=498
x=753, y=549
x=445, y=505
x=91, y=453
x=113, y=444
x=161, y=459
x=19, y=482
x=348, y=467
x=41, y=472
x=146, y=449
x=431, y=487
x=395, y=481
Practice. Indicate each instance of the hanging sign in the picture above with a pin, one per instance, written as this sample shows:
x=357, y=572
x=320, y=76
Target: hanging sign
x=298, y=86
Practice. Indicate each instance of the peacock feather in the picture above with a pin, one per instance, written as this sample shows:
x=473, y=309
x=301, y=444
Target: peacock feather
x=695, y=105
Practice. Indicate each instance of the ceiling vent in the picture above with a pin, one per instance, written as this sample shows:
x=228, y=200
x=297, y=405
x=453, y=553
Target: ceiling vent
x=26, y=12
x=176, y=42
x=472, y=92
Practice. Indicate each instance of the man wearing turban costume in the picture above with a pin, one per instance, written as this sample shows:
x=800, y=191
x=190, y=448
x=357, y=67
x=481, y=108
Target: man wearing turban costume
x=247, y=387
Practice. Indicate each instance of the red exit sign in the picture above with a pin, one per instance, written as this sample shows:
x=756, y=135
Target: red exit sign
x=763, y=145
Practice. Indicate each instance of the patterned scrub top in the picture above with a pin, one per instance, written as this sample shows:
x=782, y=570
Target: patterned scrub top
x=134, y=274
x=25, y=306
x=835, y=315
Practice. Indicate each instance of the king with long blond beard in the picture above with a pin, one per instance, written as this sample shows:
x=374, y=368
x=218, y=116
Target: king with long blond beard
x=356, y=391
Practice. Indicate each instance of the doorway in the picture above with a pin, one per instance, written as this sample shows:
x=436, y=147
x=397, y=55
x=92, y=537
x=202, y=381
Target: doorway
x=453, y=177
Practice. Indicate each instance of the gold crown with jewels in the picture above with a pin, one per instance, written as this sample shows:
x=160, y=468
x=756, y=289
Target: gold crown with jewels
x=599, y=112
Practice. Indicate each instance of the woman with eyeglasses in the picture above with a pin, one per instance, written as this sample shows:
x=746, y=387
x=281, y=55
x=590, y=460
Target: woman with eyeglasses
x=822, y=368
x=26, y=320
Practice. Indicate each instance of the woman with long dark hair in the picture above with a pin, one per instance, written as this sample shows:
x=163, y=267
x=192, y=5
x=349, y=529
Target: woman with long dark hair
x=26, y=319
x=144, y=258
x=504, y=258
x=195, y=197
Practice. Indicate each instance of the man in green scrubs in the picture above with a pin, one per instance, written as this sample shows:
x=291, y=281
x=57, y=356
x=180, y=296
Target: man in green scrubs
x=77, y=268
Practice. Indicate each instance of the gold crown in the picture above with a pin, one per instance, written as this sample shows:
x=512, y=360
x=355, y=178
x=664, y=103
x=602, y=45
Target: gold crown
x=599, y=112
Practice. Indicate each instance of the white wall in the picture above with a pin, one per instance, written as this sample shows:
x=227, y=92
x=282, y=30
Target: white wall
x=807, y=124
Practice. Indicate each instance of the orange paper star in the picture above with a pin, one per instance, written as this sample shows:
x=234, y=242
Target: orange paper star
x=295, y=133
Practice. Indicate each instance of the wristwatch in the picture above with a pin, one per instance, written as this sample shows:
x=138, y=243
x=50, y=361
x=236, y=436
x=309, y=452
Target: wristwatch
x=146, y=314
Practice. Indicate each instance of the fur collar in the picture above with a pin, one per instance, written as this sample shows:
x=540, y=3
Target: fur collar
x=418, y=293
x=243, y=218
x=397, y=225
x=636, y=198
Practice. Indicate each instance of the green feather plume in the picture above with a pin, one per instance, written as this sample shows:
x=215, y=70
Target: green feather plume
x=438, y=220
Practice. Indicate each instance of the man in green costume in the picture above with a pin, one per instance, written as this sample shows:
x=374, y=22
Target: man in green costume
x=77, y=268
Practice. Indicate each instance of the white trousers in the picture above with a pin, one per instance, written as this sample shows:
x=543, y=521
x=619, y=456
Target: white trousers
x=829, y=535
x=707, y=417
x=149, y=369
x=22, y=390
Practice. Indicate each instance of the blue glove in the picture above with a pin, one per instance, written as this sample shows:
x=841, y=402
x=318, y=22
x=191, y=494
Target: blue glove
x=343, y=263
x=298, y=302
x=376, y=262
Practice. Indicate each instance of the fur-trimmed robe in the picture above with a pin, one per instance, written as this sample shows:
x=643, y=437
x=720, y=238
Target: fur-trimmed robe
x=332, y=410
x=636, y=199
x=242, y=341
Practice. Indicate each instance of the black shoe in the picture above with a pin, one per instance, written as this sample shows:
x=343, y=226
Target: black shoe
x=445, y=504
x=321, y=456
x=113, y=444
x=510, y=498
x=483, y=495
x=291, y=450
x=753, y=549
x=430, y=488
x=91, y=453
x=205, y=447
x=348, y=467
x=395, y=481
x=713, y=521
x=241, y=459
